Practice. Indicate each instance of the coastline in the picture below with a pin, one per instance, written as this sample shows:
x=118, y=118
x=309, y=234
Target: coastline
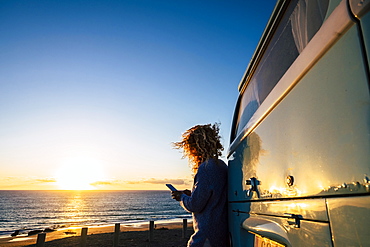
x=138, y=232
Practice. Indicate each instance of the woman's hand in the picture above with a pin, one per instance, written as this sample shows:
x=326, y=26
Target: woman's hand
x=176, y=195
x=187, y=192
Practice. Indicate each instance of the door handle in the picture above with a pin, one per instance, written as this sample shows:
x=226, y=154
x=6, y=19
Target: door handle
x=253, y=182
x=294, y=220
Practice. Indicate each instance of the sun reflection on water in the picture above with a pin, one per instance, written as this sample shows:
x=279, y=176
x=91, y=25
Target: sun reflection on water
x=75, y=208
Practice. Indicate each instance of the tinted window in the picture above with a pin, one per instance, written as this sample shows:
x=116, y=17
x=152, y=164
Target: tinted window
x=300, y=22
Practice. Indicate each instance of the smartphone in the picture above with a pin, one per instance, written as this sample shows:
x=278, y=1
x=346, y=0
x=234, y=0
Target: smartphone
x=170, y=186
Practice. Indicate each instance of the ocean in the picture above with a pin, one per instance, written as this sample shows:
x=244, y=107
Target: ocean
x=38, y=210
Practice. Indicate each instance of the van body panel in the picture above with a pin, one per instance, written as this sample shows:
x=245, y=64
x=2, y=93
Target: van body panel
x=335, y=88
x=359, y=7
x=350, y=219
x=239, y=237
x=284, y=231
x=299, y=162
x=308, y=209
x=266, y=219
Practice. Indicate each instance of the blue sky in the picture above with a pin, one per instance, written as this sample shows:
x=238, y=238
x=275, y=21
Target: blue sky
x=112, y=83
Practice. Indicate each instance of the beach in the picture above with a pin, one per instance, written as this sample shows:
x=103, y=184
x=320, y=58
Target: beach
x=165, y=234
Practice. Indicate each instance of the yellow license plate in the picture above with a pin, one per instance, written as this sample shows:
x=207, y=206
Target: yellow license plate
x=260, y=241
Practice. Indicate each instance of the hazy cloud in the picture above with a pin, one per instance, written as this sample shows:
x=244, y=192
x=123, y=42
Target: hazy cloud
x=179, y=181
x=28, y=180
x=97, y=183
x=46, y=180
x=26, y=183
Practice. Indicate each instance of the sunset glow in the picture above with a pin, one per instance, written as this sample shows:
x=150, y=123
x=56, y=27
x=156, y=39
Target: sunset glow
x=94, y=93
x=79, y=173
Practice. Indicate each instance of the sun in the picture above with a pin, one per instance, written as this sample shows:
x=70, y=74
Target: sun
x=79, y=173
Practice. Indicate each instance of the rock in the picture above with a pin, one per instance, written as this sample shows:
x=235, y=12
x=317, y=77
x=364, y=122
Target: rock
x=15, y=233
x=34, y=232
x=48, y=230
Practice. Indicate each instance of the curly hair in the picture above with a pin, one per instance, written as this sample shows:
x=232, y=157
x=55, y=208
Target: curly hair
x=200, y=143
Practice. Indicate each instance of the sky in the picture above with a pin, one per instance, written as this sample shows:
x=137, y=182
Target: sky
x=93, y=93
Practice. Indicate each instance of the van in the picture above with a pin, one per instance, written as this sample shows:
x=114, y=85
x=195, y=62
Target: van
x=299, y=163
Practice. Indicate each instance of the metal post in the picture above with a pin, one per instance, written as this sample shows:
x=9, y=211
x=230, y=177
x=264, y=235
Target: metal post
x=151, y=229
x=40, y=239
x=117, y=228
x=83, y=236
x=184, y=227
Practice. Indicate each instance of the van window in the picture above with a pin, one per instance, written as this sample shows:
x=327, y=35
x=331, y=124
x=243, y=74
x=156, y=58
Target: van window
x=301, y=21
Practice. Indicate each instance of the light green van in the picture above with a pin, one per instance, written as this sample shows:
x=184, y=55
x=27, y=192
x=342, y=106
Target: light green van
x=299, y=158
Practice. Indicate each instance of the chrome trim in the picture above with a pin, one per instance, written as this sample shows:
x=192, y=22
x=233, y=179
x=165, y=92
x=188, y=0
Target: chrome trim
x=359, y=7
x=332, y=29
x=267, y=228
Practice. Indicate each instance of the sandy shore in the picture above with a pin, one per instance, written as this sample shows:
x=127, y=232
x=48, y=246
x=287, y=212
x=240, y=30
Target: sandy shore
x=166, y=234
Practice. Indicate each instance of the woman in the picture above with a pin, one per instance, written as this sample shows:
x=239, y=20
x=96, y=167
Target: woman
x=208, y=199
